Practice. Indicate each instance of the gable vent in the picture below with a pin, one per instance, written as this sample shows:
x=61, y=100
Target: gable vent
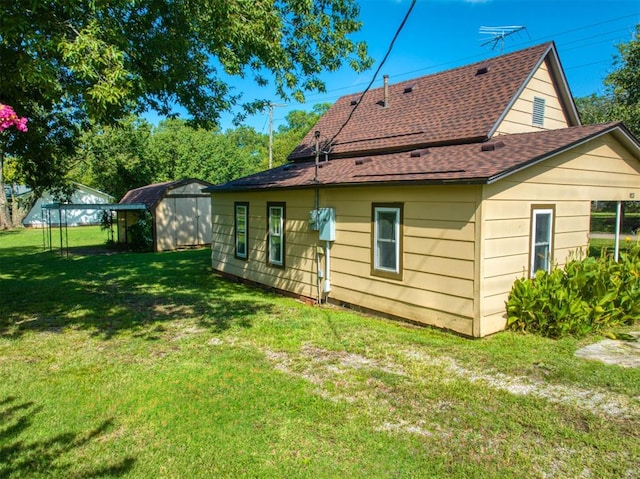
x=419, y=153
x=362, y=161
x=538, y=111
x=408, y=89
x=492, y=146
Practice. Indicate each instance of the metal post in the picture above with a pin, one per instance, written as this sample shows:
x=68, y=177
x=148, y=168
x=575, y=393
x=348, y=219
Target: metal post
x=60, y=229
x=617, y=238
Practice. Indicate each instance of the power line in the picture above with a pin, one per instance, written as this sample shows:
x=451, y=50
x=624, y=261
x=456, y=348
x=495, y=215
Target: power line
x=321, y=97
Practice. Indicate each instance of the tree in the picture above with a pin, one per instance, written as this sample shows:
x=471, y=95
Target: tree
x=624, y=83
x=621, y=101
x=298, y=124
x=65, y=63
x=8, y=119
x=114, y=158
x=180, y=151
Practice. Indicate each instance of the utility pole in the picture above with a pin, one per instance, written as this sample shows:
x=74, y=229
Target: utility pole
x=271, y=106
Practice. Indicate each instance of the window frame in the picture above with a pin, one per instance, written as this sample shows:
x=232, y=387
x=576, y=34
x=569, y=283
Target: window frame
x=377, y=269
x=283, y=216
x=537, y=210
x=237, y=231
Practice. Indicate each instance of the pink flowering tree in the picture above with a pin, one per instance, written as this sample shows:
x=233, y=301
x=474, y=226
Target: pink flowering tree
x=8, y=119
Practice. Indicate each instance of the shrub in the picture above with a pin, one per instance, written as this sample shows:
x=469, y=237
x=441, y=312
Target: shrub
x=586, y=296
x=140, y=234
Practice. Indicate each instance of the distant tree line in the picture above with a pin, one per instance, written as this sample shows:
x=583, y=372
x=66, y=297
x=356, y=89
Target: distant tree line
x=134, y=153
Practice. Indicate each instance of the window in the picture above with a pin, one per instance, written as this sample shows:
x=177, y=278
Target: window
x=387, y=240
x=538, y=111
x=241, y=230
x=541, y=254
x=276, y=224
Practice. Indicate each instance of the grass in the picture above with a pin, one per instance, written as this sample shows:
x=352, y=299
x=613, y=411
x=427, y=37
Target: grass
x=599, y=245
x=605, y=222
x=148, y=365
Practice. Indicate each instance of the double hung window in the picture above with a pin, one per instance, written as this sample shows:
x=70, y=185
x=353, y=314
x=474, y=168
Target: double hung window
x=387, y=240
x=276, y=229
x=241, y=230
x=541, y=254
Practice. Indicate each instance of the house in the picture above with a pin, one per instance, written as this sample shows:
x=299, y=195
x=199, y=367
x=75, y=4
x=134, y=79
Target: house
x=426, y=199
x=39, y=217
x=181, y=213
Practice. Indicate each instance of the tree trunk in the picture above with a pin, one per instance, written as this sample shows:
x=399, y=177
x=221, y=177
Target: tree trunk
x=5, y=220
x=19, y=209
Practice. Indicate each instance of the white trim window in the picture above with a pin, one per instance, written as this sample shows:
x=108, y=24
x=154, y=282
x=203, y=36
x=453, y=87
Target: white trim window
x=387, y=224
x=241, y=229
x=541, y=240
x=276, y=234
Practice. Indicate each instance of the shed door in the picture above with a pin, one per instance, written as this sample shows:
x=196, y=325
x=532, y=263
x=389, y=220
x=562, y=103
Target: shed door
x=204, y=219
x=192, y=221
x=186, y=221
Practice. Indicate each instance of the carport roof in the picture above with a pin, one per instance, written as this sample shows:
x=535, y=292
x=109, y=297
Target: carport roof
x=97, y=206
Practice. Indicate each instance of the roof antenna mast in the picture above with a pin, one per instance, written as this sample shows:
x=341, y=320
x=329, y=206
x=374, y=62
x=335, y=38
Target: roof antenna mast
x=498, y=35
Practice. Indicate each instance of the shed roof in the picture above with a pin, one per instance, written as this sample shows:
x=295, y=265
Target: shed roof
x=150, y=195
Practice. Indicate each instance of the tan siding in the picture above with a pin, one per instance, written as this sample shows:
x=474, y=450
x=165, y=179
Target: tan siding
x=439, y=230
x=565, y=181
x=519, y=117
x=411, y=312
x=298, y=276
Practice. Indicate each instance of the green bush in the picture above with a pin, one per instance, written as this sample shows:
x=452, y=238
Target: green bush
x=140, y=234
x=586, y=296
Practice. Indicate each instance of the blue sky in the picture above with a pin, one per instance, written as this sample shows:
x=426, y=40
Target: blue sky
x=443, y=34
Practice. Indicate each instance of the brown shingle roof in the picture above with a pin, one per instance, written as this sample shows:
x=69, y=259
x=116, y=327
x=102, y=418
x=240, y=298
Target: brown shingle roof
x=454, y=106
x=465, y=163
x=149, y=195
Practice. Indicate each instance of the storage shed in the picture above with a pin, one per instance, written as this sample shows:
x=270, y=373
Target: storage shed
x=181, y=213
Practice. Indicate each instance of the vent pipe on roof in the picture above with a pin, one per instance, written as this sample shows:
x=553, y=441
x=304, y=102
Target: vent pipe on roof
x=385, y=102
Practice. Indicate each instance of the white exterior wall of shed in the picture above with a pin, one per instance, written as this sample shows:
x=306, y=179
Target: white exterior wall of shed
x=183, y=218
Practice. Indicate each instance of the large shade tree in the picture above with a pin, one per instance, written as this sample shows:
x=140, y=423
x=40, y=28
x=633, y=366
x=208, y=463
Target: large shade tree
x=621, y=99
x=65, y=63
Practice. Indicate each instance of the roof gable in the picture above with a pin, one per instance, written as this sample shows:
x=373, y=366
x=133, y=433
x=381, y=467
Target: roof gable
x=461, y=105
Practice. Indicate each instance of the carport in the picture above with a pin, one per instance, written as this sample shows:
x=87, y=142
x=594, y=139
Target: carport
x=49, y=212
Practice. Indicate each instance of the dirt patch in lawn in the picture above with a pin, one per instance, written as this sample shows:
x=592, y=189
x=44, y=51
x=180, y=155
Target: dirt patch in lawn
x=328, y=369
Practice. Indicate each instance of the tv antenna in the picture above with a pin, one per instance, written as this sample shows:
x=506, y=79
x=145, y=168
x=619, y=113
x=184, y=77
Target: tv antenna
x=499, y=34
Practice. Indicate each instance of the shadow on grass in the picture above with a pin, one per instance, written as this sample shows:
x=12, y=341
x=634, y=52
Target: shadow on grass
x=112, y=294
x=46, y=457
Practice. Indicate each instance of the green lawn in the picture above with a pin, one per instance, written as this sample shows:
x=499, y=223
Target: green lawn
x=148, y=365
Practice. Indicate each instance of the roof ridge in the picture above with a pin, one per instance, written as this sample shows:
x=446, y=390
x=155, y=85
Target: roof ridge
x=469, y=66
